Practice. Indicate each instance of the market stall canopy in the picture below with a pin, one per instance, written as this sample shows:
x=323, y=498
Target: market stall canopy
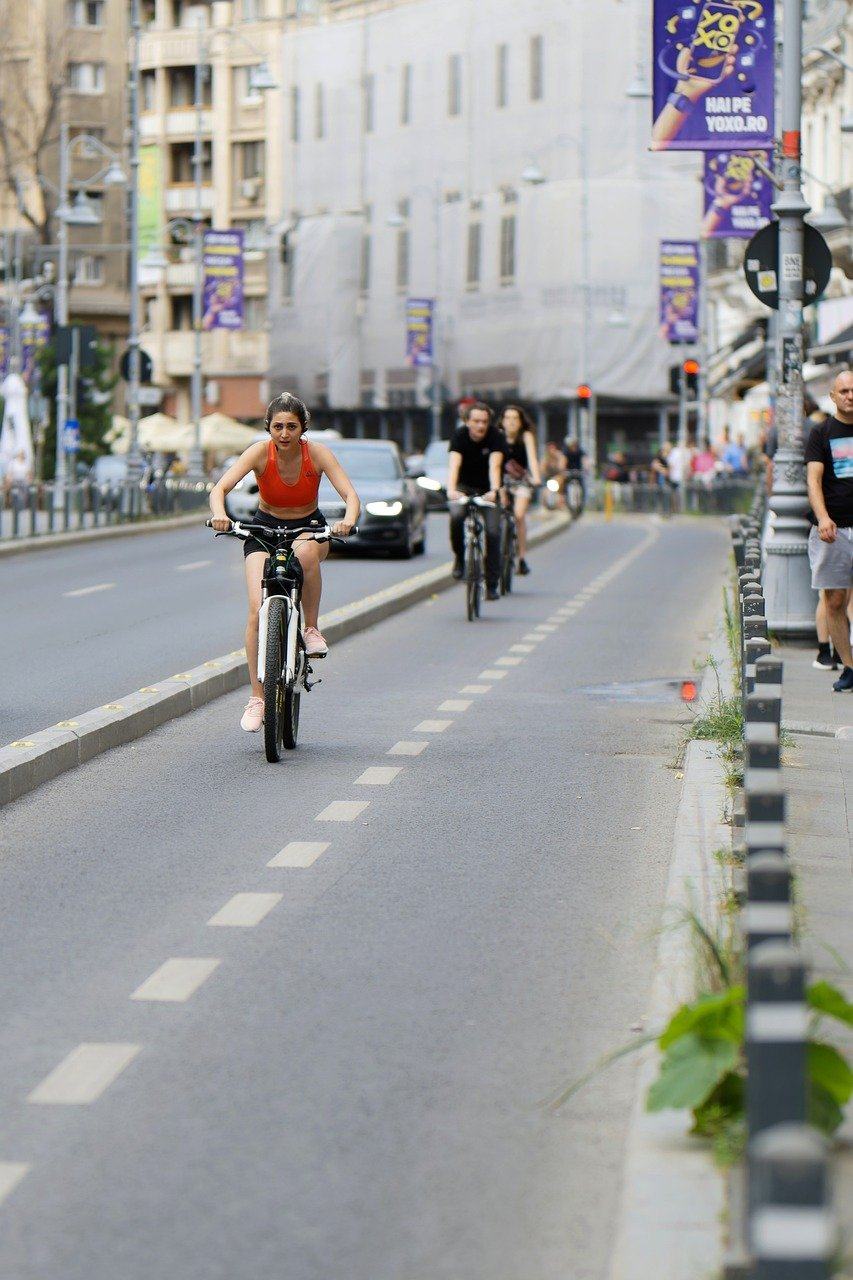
x=158, y=433
x=225, y=434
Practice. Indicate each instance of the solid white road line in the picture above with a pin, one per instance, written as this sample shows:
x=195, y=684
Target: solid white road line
x=491, y=674
x=475, y=688
x=245, y=910
x=300, y=853
x=455, y=704
x=88, y=591
x=432, y=726
x=508, y=662
x=176, y=980
x=378, y=776
x=408, y=748
x=342, y=811
x=194, y=564
x=10, y=1175
x=85, y=1074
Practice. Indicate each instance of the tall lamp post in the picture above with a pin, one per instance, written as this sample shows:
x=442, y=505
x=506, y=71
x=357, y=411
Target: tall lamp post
x=398, y=221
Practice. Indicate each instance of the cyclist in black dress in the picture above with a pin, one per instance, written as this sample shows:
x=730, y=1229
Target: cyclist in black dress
x=521, y=471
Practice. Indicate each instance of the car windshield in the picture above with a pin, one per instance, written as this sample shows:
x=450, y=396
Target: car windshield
x=436, y=454
x=368, y=464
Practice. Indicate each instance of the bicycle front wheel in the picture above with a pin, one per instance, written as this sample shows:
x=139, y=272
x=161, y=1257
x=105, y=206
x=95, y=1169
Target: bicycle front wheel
x=474, y=579
x=290, y=717
x=274, y=694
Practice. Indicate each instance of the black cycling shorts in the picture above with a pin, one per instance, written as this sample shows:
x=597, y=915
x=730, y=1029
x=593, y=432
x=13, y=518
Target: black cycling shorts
x=315, y=520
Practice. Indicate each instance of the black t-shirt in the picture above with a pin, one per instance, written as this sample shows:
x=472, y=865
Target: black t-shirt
x=516, y=452
x=574, y=458
x=474, y=470
x=832, y=444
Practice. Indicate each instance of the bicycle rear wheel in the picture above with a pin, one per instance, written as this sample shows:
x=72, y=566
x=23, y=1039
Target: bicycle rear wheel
x=274, y=697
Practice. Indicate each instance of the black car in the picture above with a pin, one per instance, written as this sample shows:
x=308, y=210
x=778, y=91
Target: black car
x=393, y=507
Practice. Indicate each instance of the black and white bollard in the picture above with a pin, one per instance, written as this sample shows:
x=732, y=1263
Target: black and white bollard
x=792, y=1227
x=777, y=1024
x=767, y=915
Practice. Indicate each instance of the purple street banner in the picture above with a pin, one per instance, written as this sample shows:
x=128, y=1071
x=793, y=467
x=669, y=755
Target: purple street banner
x=714, y=79
x=679, y=290
x=222, y=299
x=738, y=196
x=5, y=351
x=420, y=314
x=33, y=338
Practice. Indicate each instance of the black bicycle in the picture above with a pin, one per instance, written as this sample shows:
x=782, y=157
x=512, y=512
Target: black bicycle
x=509, y=545
x=475, y=555
x=283, y=666
x=575, y=497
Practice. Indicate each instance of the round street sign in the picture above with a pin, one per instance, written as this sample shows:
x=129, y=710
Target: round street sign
x=146, y=366
x=761, y=265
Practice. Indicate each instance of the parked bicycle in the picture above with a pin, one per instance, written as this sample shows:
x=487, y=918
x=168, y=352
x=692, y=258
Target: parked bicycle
x=283, y=666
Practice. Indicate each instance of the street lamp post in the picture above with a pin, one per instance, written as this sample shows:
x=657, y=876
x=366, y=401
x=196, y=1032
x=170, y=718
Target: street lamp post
x=134, y=456
x=790, y=599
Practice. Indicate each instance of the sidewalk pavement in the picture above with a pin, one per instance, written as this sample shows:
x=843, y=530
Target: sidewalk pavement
x=818, y=773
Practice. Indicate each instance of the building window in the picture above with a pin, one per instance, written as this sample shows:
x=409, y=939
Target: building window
x=87, y=150
x=369, y=103
x=148, y=91
x=255, y=313
x=366, y=254
x=248, y=166
x=288, y=266
x=502, y=76
x=507, y=263
x=182, y=311
x=406, y=95
x=182, y=162
x=319, y=112
x=403, y=247
x=253, y=10
x=474, y=255
x=294, y=113
x=181, y=82
x=537, y=91
x=86, y=13
x=188, y=14
x=244, y=91
x=454, y=85
x=89, y=270
x=86, y=77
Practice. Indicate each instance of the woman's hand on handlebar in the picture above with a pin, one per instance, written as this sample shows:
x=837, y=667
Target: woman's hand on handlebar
x=342, y=529
x=221, y=525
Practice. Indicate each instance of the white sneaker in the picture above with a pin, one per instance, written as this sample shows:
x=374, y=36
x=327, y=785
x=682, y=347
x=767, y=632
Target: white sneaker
x=253, y=716
x=315, y=645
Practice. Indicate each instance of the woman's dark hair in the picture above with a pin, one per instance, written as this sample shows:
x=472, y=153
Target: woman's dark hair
x=526, y=420
x=287, y=402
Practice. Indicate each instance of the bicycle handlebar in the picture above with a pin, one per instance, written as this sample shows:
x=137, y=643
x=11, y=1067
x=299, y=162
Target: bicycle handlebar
x=245, y=531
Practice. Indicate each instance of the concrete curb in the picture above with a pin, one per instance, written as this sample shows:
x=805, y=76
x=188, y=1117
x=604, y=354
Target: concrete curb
x=29, y=762
x=673, y=1197
x=48, y=541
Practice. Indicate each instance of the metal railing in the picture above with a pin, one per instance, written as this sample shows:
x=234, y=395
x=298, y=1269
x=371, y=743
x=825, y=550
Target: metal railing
x=36, y=510
x=722, y=498
x=789, y=1226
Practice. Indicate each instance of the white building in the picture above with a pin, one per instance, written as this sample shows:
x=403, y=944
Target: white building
x=488, y=155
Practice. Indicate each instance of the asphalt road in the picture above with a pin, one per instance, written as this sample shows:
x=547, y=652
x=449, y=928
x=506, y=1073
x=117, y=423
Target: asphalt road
x=355, y=1089
x=85, y=624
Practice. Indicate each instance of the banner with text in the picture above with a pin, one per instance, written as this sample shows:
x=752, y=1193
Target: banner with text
x=419, y=331
x=679, y=290
x=149, y=236
x=738, y=196
x=714, y=77
x=33, y=338
x=222, y=306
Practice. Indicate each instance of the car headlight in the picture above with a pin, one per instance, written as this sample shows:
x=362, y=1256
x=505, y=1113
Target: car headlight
x=384, y=508
x=554, y=486
x=427, y=483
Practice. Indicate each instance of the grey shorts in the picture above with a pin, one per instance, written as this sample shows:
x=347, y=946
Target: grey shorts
x=831, y=562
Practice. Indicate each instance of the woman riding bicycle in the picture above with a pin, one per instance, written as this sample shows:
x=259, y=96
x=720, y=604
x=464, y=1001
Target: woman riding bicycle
x=288, y=470
x=521, y=471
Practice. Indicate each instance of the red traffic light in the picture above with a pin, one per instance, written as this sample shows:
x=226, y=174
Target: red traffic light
x=584, y=392
x=691, y=367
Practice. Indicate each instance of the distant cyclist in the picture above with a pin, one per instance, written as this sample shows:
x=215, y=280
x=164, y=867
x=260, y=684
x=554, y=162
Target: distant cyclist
x=288, y=470
x=521, y=470
x=476, y=463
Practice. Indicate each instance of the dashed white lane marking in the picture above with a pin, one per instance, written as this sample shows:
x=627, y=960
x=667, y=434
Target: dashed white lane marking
x=546, y=628
x=475, y=688
x=408, y=748
x=10, y=1175
x=342, y=811
x=300, y=853
x=522, y=648
x=176, y=980
x=532, y=638
x=245, y=910
x=508, y=662
x=88, y=591
x=378, y=776
x=193, y=564
x=85, y=1074
x=492, y=675
x=433, y=726
x=455, y=704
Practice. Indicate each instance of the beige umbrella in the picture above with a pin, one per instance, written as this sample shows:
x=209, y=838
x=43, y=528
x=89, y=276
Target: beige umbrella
x=158, y=433
x=222, y=434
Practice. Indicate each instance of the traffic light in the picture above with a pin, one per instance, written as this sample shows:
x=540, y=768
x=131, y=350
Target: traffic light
x=584, y=392
x=691, y=376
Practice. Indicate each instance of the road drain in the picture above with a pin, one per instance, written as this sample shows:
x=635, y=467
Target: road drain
x=678, y=689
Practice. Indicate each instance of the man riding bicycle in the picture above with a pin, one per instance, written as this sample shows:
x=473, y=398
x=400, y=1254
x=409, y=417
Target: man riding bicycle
x=476, y=467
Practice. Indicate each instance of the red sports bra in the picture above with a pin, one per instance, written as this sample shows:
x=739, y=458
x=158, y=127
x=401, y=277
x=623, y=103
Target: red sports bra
x=275, y=493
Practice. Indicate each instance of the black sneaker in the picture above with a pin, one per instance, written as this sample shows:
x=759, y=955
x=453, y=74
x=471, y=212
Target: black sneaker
x=458, y=569
x=493, y=593
x=826, y=659
x=523, y=568
x=845, y=683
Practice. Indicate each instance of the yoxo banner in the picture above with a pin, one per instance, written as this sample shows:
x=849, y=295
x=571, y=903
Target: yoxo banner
x=679, y=290
x=738, y=195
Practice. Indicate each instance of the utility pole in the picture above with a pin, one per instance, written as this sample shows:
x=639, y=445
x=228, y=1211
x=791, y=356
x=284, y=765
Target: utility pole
x=61, y=319
x=134, y=457
x=196, y=460
x=787, y=584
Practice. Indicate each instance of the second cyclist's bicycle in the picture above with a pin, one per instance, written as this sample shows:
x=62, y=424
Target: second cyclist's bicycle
x=283, y=665
x=509, y=546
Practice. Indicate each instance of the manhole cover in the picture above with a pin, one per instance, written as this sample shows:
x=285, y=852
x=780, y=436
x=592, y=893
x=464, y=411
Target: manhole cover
x=678, y=689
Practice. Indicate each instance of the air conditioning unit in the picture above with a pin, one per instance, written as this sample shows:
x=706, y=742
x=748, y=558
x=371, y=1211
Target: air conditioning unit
x=250, y=189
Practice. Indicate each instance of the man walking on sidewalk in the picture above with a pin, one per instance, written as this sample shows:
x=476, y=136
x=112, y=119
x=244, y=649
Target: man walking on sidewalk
x=829, y=471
